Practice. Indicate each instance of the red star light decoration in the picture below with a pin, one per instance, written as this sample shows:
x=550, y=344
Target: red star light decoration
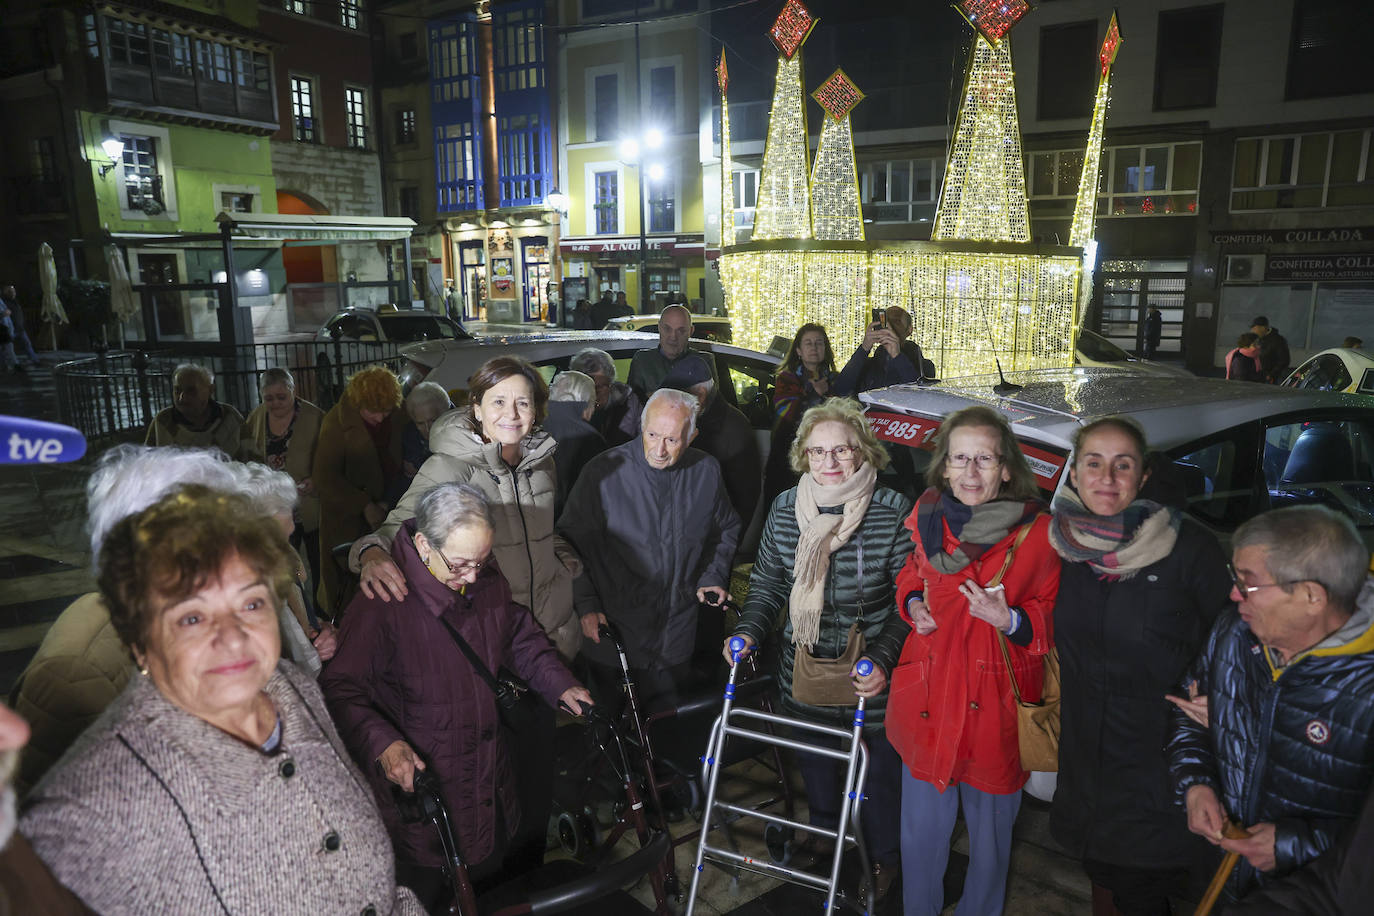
x=838, y=95
x=790, y=29
x=722, y=73
x=993, y=18
x=1110, y=45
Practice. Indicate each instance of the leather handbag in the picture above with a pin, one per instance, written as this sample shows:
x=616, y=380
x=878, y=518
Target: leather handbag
x=826, y=681
x=517, y=705
x=1037, y=724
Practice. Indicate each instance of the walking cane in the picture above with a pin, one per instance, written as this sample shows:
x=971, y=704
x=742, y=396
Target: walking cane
x=1228, y=865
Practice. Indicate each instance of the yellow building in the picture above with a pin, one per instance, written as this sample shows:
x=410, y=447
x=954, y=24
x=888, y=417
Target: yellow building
x=630, y=100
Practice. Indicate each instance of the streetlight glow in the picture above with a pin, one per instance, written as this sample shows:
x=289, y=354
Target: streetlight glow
x=656, y=172
x=629, y=149
x=653, y=138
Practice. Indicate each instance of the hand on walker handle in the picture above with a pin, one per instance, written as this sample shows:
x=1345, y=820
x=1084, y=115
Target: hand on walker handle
x=736, y=648
x=869, y=679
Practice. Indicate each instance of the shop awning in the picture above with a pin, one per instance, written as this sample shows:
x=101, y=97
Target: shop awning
x=292, y=226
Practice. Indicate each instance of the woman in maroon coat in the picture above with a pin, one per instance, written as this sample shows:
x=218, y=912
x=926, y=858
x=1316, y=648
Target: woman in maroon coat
x=405, y=697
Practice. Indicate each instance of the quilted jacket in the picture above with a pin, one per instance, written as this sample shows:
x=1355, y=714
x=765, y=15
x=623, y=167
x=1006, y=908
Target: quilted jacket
x=1292, y=746
x=884, y=544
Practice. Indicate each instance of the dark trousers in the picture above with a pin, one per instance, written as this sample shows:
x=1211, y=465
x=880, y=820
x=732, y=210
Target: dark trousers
x=882, y=807
x=1138, y=891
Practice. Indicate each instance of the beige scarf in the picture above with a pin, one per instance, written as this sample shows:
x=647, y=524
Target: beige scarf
x=819, y=535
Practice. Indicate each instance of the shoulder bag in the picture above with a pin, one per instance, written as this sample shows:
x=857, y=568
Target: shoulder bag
x=826, y=681
x=1037, y=724
x=517, y=705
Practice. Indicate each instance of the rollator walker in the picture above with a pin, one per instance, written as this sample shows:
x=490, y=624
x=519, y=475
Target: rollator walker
x=732, y=723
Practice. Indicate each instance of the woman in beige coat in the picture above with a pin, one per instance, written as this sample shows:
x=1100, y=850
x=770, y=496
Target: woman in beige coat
x=284, y=429
x=497, y=446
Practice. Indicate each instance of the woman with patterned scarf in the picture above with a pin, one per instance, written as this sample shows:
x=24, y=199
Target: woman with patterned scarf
x=1140, y=588
x=828, y=557
x=982, y=569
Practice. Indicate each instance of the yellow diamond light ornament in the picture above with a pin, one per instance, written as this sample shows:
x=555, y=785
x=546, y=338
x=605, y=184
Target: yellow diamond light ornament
x=791, y=28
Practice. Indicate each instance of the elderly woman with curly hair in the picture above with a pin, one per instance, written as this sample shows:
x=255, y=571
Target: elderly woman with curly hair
x=358, y=457
x=215, y=783
x=830, y=552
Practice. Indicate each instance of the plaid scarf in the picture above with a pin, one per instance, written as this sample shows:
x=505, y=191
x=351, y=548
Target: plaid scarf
x=1115, y=546
x=978, y=528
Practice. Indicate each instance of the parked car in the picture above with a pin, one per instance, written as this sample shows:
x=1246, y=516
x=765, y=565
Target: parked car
x=1337, y=369
x=1238, y=448
x=704, y=327
x=1095, y=350
x=390, y=325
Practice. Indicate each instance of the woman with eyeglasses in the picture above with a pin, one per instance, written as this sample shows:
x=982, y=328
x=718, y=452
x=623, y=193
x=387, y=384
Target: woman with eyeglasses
x=1140, y=587
x=980, y=583
x=828, y=557
x=406, y=697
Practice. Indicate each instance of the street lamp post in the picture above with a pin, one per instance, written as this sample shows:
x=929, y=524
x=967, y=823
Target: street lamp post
x=631, y=154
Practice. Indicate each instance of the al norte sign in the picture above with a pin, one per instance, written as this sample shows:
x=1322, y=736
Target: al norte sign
x=1311, y=236
x=1298, y=267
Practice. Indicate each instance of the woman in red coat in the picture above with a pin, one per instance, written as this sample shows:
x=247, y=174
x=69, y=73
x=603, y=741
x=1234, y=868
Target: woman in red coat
x=951, y=715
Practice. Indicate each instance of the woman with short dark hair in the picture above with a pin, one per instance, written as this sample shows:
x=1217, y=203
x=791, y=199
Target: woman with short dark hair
x=980, y=582
x=212, y=784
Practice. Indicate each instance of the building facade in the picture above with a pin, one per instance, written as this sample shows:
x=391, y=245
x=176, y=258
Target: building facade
x=468, y=125
x=1235, y=178
x=635, y=78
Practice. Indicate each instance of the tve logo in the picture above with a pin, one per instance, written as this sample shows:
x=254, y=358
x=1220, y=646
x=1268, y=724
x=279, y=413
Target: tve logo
x=25, y=441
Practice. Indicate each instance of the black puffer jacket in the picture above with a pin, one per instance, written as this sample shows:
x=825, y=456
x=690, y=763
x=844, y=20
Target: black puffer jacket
x=1291, y=746
x=1123, y=645
x=885, y=545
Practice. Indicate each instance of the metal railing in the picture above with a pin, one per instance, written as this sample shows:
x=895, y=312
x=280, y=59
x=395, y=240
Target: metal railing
x=116, y=394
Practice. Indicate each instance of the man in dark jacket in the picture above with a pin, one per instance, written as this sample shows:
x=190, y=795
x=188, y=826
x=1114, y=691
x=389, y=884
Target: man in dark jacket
x=725, y=434
x=1289, y=681
x=572, y=399
x=656, y=533
x=1273, y=353
x=886, y=357
x=649, y=368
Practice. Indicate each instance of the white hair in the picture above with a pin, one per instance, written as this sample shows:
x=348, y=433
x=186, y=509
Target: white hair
x=671, y=397
x=207, y=375
x=277, y=375
x=571, y=385
x=427, y=394
x=444, y=509
x=271, y=492
x=590, y=359
x=130, y=478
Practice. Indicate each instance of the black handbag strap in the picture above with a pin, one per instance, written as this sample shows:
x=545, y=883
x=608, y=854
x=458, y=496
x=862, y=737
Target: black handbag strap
x=482, y=670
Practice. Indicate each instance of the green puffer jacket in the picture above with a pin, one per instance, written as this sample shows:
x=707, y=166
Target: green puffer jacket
x=885, y=545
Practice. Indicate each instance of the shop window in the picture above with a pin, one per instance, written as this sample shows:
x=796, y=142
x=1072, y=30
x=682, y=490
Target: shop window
x=1186, y=58
x=1068, y=70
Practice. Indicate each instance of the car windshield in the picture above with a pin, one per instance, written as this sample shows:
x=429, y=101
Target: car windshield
x=1099, y=349
x=420, y=327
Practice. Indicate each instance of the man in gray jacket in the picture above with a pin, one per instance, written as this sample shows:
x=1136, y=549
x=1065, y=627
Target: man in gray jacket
x=656, y=532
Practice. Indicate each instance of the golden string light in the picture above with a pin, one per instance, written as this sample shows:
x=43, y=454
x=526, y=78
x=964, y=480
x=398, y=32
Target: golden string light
x=835, y=210
x=727, y=165
x=784, y=202
x=1085, y=207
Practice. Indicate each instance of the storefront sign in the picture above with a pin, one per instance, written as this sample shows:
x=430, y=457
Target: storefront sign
x=1325, y=236
x=1285, y=268
x=666, y=245
x=502, y=278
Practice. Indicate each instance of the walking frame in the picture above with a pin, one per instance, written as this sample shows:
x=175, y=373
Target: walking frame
x=853, y=751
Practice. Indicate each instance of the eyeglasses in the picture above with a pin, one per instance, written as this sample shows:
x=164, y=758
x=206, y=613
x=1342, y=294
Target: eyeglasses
x=462, y=567
x=839, y=452
x=1247, y=589
x=982, y=462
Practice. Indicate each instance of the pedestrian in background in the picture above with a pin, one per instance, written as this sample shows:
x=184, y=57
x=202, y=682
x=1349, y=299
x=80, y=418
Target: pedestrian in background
x=572, y=400
x=1139, y=589
x=618, y=408
x=425, y=403
x=1273, y=350
x=284, y=429
x=805, y=379
x=197, y=420
x=982, y=572
x=1243, y=362
x=651, y=366
x=23, y=347
x=1154, y=330
x=1352, y=343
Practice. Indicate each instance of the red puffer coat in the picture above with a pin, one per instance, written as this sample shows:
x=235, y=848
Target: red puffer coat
x=951, y=714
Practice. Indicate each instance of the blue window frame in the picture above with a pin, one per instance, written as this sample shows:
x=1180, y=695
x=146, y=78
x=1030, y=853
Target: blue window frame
x=454, y=106
x=524, y=135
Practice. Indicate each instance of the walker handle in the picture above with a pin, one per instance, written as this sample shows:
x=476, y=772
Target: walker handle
x=737, y=647
x=864, y=667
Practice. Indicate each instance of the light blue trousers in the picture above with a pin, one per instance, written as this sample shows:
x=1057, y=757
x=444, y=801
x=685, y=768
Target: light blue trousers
x=928, y=817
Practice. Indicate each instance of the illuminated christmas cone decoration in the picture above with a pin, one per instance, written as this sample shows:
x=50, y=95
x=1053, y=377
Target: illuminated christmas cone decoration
x=1085, y=208
x=784, y=202
x=727, y=166
x=984, y=197
x=835, y=211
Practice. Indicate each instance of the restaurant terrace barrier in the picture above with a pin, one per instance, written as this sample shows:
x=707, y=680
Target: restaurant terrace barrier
x=115, y=395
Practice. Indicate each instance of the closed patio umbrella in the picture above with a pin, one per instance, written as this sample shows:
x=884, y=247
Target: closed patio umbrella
x=122, y=300
x=52, y=311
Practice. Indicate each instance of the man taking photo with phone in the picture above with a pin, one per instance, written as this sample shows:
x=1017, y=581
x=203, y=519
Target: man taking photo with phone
x=885, y=357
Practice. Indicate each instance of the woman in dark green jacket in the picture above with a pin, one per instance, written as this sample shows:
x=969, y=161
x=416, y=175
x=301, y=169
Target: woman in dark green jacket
x=829, y=558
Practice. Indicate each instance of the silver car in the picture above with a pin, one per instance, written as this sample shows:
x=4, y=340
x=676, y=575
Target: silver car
x=1237, y=448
